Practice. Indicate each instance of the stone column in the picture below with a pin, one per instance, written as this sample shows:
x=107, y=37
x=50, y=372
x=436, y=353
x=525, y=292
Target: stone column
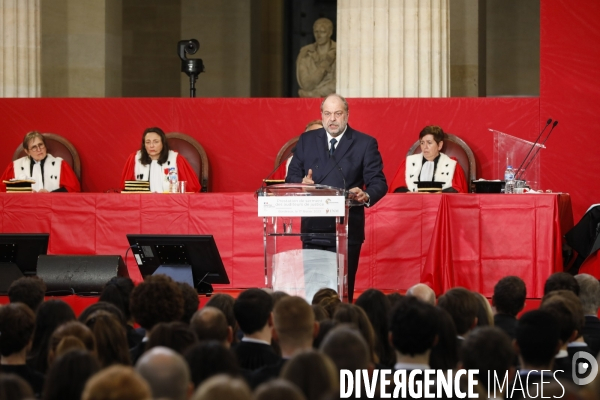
x=393, y=48
x=19, y=48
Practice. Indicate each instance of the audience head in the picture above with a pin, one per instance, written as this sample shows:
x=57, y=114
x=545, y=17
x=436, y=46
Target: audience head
x=116, y=382
x=223, y=387
x=17, y=322
x=444, y=354
x=278, y=295
x=252, y=310
x=485, y=314
x=50, y=315
x=314, y=373
x=422, y=292
x=154, y=146
x=537, y=339
x=210, y=323
x=70, y=336
x=277, y=389
x=394, y=298
x=347, y=348
x=324, y=327
x=111, y=338
x=166, y=372
x=29, y=290
x=509, y=295
x=13, y=387
x=462, y=305
x=68, y=375
x=589, y=293
x=103, y=306
x=413, y=327
x=295, y=324
x=320, y=313
x=487, y=349
x=377, y=308
x=117, y=291
x=210, y=358
x=225, y=302
x=566, y=308
x=561, y=280
x=328, y=299
x=177, y=336
x=353, y=314
x=157, y=299
x=190, y=301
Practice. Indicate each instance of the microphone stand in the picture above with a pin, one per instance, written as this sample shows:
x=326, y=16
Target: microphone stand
x=518, y=170
x=538, y=149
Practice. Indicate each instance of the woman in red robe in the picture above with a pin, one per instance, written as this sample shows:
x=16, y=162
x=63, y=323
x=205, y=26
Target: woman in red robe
x=153, y=162
x=430, y=165
x=51, y=174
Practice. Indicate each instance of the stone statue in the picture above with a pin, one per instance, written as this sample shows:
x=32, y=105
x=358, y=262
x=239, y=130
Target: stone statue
x=315, y=66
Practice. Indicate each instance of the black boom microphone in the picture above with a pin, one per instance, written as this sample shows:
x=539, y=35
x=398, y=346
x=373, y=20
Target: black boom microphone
x=538, y=149
x=279, y=165
x=531, y=149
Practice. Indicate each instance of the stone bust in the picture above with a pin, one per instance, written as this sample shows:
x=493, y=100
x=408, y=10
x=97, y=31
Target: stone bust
x=315, y=66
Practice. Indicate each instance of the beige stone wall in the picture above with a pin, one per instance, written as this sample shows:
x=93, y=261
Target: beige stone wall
x=464, y=48
x=81, y=48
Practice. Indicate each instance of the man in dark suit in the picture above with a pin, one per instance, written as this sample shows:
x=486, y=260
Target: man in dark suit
x=339, y=156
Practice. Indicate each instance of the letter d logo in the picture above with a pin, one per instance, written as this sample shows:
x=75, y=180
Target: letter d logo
x=580, y=367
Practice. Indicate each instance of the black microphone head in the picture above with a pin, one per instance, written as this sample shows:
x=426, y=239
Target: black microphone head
x=293, y=150
x=549, y=121
x=555, y=123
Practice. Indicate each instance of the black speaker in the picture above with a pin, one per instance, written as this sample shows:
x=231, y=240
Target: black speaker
x=9, y=272
x=79, y=274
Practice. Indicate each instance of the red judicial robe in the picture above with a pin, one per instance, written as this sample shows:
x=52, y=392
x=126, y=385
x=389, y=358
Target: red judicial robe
x=67, y=178
x=184, y=172
x=458, y=179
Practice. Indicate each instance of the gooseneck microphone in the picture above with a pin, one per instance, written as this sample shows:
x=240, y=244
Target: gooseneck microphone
x=518, y=170
x=539, y=148
x=279, y=165
x=339, y=170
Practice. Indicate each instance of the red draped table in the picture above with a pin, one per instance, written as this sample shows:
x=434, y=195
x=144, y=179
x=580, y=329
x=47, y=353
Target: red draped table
x=445, y=240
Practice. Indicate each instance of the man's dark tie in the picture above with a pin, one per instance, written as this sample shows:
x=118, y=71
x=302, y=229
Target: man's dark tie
x=332, y=148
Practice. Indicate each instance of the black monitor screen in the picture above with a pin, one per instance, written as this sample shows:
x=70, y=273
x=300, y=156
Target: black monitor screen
x=23, y=250
x=198, y=251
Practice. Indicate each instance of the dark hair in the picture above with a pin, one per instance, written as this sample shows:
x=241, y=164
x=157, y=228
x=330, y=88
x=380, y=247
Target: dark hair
x=320, y=312
x=252, y=310
x=68, y=374
x=462, y=305
x=190, y=301
x=225, y=302
x=111, y=339
x=117, y=291
x=177, y=336
x=313, y=372
x=164, y=154
x=413, y=326
x=509, y=295
x=566, y=308
x=377, y=307
x=324, y=328
x=13, y=387
x=50, y=315
x=157, y=299
x=347, y=348
x=444, y=355
x=210, y=358
x=538, y=337
x=435, y=131
x=561, y=280
x=29, y=290
x=394, y=298
x=279, y=388
x=487, y=349
x=102, y=306
x=353, y=314
x=17, y=322
x=210, y=323
x=328, y=299
x=72, y=334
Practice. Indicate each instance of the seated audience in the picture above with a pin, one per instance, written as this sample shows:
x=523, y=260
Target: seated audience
x=223, y=387
x=13, y=387
x=253, y=311
x=422, y=292
x=17, y=322
x=116, y=382
x=561, y=280
x=117, y=291
x=508, y=300
x=462, y=305
x=111, y=339
x=153, y=161
x=377, y=307
x=68, y=375
x=176, y=335
x=29, y=290
x=589, y=294
x=485, y=315
x=277, y=389
x=210, y=358
x=190, y=301
x=430, y=165
x=224, y=302
x=50, y=173
x=444, y=354
x=156, y=299
x=72, y=335
x=167, y=374
x=353, y=314
x=320, y=313
x=328, y=299
x=314, y=373
x=209, y=323
x=50, y=315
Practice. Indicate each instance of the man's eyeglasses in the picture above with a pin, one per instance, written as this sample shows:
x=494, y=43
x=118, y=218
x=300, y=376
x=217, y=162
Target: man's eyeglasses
x=38, y=147
x=338, y=114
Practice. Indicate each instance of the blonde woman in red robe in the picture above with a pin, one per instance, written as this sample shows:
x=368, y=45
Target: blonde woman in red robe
x=153, y=161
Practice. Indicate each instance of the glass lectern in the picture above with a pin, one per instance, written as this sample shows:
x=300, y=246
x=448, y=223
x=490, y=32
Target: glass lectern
x=288, y=266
